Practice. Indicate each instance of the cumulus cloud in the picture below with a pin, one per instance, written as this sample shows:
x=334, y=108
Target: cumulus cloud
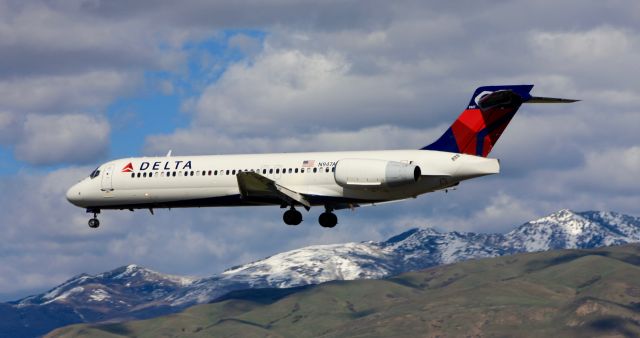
x=59, y=94
x=212, y=141
x=71, y=138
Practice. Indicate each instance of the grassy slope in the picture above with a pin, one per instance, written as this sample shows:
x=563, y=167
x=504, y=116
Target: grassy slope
x=560, y=293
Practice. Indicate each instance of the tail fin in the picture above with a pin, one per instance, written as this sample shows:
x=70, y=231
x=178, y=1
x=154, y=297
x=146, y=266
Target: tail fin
x=488, y=113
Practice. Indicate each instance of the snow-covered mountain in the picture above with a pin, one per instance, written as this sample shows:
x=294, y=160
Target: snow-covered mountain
x=136, y=292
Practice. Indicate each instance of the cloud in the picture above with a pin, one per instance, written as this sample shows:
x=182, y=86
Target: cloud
x=212, y=141
x=56, y=94
x=71, y=138
x=611, y=49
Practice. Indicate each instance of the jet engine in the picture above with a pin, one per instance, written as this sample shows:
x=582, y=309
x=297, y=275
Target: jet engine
x=370, y=173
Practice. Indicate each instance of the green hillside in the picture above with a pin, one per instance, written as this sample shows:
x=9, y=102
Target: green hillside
x=559, y=293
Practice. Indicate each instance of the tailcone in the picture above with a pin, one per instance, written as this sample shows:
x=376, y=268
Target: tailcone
x=474, y=166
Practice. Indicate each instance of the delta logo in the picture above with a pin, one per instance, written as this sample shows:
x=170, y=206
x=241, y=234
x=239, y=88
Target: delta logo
x=158, y=165
x=127, y=168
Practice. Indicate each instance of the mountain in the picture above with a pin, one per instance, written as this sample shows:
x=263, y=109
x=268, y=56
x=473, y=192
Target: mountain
x=136, y=292
x=561, y=293
x=127, y=292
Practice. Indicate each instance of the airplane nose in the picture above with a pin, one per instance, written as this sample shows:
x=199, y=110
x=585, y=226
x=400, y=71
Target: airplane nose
x=74, y=195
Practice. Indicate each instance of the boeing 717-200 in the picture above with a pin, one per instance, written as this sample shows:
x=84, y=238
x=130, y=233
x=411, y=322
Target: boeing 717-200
x=333, y=180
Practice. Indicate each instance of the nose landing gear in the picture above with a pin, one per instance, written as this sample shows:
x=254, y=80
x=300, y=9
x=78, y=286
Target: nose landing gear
x=292, y=217
x=94, y=222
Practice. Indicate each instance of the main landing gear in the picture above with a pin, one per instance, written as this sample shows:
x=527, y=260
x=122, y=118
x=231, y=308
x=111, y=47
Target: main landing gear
x=328, y=219
x=292, y=217
x=94, y=222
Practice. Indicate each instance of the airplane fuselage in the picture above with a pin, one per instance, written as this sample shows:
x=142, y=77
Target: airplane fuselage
x=208, y=181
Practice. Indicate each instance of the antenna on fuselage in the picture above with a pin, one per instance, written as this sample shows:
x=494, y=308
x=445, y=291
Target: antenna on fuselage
x=169, y=153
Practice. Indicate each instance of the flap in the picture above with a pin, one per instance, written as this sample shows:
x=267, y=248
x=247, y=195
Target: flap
x=255, y=185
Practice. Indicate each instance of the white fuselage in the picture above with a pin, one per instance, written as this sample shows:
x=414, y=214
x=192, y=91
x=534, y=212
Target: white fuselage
x=199, y=181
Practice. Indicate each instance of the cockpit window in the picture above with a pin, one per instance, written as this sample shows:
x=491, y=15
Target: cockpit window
x=95, y=173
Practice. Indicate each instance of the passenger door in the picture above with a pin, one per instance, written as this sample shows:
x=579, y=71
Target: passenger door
x=107, y=178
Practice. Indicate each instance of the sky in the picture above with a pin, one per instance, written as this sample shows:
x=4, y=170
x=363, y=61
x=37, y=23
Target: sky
x=86, y=81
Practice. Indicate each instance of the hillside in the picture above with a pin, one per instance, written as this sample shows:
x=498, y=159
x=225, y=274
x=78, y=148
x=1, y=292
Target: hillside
x=557, y=293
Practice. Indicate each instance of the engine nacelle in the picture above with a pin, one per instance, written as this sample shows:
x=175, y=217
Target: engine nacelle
x=370, y=173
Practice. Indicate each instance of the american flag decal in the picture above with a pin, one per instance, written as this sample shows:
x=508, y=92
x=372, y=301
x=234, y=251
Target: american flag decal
x=308, y=163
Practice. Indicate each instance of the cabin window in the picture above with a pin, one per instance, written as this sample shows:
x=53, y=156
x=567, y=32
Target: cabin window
x=215, y=173
x=270, y=171
x=296, y=170
x=144, y=175
x=94, y=173
x=233, y=172
x=192, y=173
x=315, y=170
x=133, y=175
x=277, y=171
x=326, y=170
x=333, y=169
x=264, y=171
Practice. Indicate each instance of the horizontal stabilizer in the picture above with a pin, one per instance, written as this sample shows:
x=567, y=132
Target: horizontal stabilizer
x=538, y=99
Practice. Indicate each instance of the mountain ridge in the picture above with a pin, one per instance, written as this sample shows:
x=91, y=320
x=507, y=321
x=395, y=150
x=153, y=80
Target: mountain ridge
x=136, y=292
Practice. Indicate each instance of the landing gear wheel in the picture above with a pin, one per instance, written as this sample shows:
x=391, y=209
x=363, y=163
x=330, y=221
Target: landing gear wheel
x=94, y=223
x=292, y=217
x=328, y=219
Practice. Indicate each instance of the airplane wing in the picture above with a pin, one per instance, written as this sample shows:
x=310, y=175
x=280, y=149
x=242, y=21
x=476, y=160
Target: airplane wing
x=255, y=185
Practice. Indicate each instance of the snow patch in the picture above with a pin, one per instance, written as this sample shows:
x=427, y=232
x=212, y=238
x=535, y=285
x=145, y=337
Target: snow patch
x=65, y=295
x=99, y=295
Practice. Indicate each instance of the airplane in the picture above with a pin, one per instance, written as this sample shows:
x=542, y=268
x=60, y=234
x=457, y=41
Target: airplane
x=333, y=180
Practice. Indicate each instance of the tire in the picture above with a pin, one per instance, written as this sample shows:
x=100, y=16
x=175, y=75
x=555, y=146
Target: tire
x=94, y=223
x=292, y=217
x=328, y=219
